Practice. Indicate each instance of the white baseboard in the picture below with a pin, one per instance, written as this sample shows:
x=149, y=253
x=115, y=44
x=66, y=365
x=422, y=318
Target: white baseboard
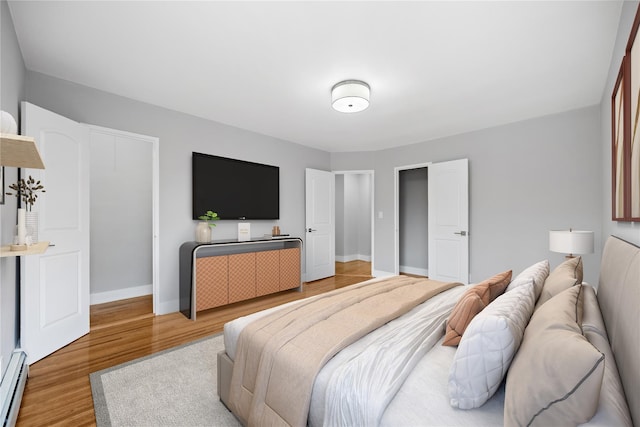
x=354, y=257
x=381, y=273
x=414, y=270
x=109, y=296
x=168, y=307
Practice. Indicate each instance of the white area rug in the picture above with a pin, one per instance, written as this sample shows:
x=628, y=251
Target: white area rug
x=176, y=387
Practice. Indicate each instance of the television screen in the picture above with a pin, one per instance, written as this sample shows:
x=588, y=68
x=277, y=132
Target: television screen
x=235, y=189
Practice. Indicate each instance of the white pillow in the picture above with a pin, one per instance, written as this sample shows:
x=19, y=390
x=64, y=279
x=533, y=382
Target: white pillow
x=538, y=272
x=488, y=346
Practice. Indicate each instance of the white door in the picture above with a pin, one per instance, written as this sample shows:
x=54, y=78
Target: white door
x=54, y=300
x=448, y=186
x=320, y=224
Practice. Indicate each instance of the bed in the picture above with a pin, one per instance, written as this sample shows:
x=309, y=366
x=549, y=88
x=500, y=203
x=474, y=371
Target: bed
x=535, y=348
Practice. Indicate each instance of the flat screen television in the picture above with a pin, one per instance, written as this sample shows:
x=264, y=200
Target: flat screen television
x=235, y=189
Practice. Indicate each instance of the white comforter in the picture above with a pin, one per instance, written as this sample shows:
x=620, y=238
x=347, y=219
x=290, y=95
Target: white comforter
x=368, y=377
x=362, y=382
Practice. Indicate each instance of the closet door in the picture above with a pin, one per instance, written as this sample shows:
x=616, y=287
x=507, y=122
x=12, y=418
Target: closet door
x=449, y=221
x=54, y=300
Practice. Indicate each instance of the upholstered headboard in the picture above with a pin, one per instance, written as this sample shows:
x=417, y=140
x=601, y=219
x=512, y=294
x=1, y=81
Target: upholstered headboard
x=619, y=300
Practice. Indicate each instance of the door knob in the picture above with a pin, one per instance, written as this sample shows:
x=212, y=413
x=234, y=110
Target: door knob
x=462, y=233
x=310, y=230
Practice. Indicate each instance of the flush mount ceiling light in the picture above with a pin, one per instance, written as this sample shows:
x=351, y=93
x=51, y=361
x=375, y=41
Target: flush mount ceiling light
x=350, y=96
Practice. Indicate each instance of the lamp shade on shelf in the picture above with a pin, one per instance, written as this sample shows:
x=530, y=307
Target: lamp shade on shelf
x=8, y=123
x=571, y=241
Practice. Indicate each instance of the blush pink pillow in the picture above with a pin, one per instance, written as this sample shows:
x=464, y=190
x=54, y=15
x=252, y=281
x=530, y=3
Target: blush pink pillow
x=471, y=303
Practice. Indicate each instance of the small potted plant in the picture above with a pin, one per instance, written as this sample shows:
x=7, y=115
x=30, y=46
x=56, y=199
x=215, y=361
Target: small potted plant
x=203, y=231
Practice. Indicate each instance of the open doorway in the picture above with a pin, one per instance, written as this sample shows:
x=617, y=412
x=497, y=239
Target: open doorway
x=354, y=243
x=413, y=213
x=446, y=220
x=59, y=280
x=124, y=217
x=412, y=219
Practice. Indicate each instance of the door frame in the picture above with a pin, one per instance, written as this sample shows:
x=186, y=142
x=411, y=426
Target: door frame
x=155, y=202
x=371, y=174
x=396, y=211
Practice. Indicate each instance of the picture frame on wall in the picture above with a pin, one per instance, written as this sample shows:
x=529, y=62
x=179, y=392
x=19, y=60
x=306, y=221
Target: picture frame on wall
x=633, y=150
x=617, y=148
x=625, y=134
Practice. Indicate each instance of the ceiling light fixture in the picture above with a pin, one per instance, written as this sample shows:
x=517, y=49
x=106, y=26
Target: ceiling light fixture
x=350, y=96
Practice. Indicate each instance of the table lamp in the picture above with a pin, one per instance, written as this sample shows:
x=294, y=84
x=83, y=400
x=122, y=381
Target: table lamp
x=571, y=242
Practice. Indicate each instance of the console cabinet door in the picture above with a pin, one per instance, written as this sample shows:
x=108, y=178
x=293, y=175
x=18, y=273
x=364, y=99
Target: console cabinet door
x=289, y=268
x=212, y=278
x=267, y=272
x=242, y=276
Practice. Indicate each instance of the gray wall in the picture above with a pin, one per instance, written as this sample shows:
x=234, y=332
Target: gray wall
x=364, y=215
x=180, y=135
x=627, y=230
x=525, y=179
x=353, y=217
x=12, y=89
x=413, y=214
x=121, y=217
x=339, y=243
x=351, y=213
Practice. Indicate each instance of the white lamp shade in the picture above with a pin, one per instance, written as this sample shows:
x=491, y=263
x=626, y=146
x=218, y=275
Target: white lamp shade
x=350, y=96
x=571, y=241
x=8, y=123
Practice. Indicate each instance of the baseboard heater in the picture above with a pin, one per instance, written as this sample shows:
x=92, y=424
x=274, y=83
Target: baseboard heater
x=12, y=387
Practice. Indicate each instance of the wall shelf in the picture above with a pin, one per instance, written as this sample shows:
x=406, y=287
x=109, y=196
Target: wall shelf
x=36, y=249
x=19, y=151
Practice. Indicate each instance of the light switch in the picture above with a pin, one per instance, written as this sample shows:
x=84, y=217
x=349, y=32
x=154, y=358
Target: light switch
x=380, y=215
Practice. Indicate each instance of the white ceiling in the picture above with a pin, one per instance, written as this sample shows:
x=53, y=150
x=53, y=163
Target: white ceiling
x=435, y=68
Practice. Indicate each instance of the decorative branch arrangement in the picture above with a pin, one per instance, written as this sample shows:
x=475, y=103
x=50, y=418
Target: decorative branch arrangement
x=27, y=190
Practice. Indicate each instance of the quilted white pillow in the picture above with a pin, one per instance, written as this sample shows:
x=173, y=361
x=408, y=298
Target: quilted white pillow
x=488, y=346
x=538, y=272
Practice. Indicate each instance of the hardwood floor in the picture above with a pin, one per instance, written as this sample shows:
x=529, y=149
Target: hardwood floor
x=58, y=391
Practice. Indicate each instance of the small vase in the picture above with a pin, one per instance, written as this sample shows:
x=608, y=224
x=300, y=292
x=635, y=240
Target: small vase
x=21, y=228
x=32, y=226
x=203, y=232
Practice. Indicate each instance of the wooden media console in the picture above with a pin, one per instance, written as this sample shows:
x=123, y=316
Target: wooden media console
x=228, y=271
